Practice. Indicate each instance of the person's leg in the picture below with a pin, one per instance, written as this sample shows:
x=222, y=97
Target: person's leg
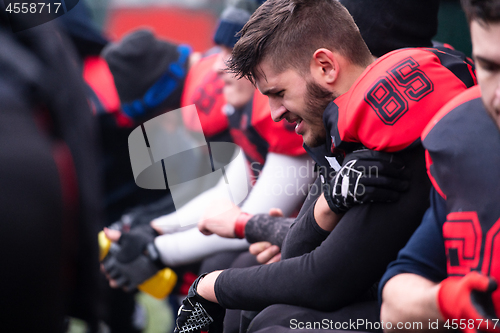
x=295, y=317
x=221, y=260
x=281, y=329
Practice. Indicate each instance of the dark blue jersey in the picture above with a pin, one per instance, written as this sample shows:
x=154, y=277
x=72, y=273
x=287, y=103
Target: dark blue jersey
x=460, y=231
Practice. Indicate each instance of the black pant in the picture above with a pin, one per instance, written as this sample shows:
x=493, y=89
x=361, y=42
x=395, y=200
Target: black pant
x=360, y=316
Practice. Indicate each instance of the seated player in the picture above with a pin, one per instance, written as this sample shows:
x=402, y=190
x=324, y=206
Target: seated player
x=410, y=30
x=446, y=276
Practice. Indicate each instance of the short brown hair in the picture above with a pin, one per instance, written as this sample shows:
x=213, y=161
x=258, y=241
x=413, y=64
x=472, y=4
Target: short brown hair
x=289, y=31
x=483, y=11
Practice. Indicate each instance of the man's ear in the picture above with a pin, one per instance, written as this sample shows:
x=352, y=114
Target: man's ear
x=324, y=66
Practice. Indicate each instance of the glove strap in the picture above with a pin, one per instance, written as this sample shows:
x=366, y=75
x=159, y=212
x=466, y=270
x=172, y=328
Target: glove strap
x=327, y=192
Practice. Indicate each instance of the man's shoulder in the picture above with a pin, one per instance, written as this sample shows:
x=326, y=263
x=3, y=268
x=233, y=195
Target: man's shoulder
x=393, y=100
x=469, y=99
x=463, y=138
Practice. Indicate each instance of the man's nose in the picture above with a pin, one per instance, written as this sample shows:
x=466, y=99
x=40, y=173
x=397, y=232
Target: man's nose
x=277, y=110
x=497, y=90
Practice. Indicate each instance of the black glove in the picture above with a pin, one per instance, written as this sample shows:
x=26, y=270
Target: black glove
x=131, y=221
x=134, y=259
x=135, y=242
x=365, y=176
x=196, y=314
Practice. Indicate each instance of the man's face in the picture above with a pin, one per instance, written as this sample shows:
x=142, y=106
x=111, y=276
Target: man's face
x=296, y=99
x=486, y=53
x=237, y=92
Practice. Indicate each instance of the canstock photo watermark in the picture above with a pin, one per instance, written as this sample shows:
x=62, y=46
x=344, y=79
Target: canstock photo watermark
x=159, y=161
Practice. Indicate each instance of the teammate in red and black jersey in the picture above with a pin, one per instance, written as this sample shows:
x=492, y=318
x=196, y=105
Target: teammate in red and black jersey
x=448, y=272
x=458, y=233
x=203, y=88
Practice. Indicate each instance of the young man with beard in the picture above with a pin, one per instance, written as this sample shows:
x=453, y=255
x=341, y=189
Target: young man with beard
x=448, y=272
x=303, y=54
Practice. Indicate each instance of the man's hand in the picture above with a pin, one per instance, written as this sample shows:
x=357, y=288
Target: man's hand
x=366, y=176
x=134, y=243
x=197, y=314
x=133, y=260
x=220, y=219
x=469, y=297
x=265, y=252
x=276, y=212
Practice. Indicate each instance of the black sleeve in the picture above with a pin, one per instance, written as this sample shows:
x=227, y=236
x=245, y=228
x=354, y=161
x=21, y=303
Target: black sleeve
x=424, y=254
x=264, y=227
x=348, y=262
x=274, y=230
x=304, y=236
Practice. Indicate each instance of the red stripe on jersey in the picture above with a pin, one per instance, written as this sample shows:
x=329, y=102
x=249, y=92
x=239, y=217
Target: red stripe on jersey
x=98, y=76
x=390, y=104
x=468, y=95
x=203, y=88
x=428, y=162
x=280, y=136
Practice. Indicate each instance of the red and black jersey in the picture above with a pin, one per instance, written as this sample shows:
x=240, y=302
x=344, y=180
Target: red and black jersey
x=462, y=144
x=462, y=147
x=459, y=233
x=101, y=93
x=390, y=104
x=203, y=88
x=253, y=129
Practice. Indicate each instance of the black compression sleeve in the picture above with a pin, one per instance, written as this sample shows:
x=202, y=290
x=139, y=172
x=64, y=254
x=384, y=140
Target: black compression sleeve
x=264, y=227
x=350, y=260
x=304, y=236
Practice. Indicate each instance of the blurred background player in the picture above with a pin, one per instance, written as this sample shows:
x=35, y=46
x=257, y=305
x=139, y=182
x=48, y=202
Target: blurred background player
x=49, y=192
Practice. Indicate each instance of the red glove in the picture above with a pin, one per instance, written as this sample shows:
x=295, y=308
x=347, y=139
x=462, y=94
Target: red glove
x=469, y=298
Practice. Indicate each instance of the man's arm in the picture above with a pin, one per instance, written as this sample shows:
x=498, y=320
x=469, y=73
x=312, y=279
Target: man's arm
x=350, y=260
x=408, y=289
x=277, y=187
x=416, y=288
x=264, y=227
x=365, y=176
x=410, y=298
